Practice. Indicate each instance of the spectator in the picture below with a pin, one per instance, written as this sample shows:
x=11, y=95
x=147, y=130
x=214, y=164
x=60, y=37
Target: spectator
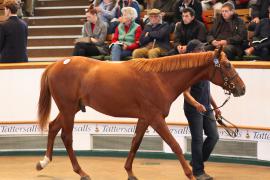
x=228, y=31
x=260, y=45
x=28, y=8
x=197, y=105
x=241, y=4
x=106, y=10
x=126, y=36
x=13, y=35
x=259, y=10
x=155, y=38
x=94, y=34
x=211, y=4
x=188, y=29
x=194, y=4
x=127, y=3
x=124, y=3
x=167, y=8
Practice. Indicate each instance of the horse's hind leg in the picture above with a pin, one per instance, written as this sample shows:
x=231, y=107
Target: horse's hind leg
x=136, y=141
x=54, y=128
x=162, y=129
x=66, y=136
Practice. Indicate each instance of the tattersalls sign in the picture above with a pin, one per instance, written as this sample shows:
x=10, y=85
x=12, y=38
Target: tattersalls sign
x=129, y=129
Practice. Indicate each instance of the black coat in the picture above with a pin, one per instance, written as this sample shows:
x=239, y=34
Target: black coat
x=238, y=28
x=160, y=33
x=262, y=31
x=260, y=9
x=186, y=32
x=195, y=5
x=13, y=40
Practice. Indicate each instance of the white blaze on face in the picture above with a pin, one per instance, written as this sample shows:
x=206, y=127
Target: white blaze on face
x=66, y=61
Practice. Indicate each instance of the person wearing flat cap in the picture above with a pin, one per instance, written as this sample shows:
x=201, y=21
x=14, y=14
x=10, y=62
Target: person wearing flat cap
x=155, y=38
x=197, y=105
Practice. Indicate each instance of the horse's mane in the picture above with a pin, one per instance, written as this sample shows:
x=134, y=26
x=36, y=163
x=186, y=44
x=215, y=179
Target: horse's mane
x=172, y=63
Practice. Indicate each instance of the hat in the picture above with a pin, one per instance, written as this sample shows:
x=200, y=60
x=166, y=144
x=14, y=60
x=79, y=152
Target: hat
x=195, y=45
x=154, y=11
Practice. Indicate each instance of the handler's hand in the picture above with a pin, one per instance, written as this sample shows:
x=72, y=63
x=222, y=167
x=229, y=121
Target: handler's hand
x=217, y=113
x=200, y=108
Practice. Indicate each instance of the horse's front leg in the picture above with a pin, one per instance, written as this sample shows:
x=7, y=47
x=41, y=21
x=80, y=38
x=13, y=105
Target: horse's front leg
x=160, y=126
x=66, y=136
x=136, y=141
x=54, y=128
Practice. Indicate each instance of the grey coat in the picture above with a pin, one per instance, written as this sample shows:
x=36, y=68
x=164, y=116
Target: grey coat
x=99, y=33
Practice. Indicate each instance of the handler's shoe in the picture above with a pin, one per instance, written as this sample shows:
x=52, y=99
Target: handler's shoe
x=204, y=177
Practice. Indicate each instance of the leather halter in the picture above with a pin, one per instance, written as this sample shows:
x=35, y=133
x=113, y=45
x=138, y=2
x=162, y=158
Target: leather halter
x=227, y=80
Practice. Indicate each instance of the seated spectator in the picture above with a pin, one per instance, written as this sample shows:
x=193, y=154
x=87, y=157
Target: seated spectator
x=124, y=3
x=13, y=35
x=28, y=8
x=188, y=29
x=167, y=7
x=241, y=4
x=127, y=3
x=155, y=38
x=194, y=4
x=260, y=45
x=229, y=31
x=126, y=36
x=211, y=4
x=94, y=34
x=106, y=10
x=259, y=10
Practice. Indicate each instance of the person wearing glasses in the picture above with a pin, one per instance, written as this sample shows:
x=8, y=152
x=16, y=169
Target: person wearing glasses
x=197, y=108
x=229, y=31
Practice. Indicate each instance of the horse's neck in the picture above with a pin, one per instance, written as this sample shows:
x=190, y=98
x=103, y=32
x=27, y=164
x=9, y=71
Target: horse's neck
x=178, y=81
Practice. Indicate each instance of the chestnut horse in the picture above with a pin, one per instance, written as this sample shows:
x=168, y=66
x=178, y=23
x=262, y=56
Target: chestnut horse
x=141, y=88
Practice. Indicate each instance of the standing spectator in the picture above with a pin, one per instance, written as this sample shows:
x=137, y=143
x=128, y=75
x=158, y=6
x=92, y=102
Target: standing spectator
x=194, y=4
x=13, y=35
x=126, y=36
x=197, y=105
x=188, y=29
x=155, y=38
x=106, y=10
x=259, y=10
x=260, y=45
x=94, y=34
x=229, y=31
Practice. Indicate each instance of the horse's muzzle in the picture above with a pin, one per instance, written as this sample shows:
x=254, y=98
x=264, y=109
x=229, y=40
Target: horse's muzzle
x=239, y=91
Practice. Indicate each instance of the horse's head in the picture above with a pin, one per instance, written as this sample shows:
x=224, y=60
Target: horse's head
x=225, y=75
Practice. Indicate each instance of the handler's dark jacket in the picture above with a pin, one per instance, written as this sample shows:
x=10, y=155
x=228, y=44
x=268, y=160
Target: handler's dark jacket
x=237, y=30
x=186, y=32
x=160, y=33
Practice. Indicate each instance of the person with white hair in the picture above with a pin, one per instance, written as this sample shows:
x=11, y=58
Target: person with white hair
x=126, y=36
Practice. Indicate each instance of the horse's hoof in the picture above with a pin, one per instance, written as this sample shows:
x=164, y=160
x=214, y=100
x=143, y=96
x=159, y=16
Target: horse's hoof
x=132, y=178
x=85, y=178
x=38, y=166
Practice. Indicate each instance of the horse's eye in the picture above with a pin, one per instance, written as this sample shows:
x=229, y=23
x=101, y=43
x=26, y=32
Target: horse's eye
x=228, y=65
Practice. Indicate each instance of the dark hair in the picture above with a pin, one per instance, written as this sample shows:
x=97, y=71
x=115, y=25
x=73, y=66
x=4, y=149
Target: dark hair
x=92, y=9
x=12, y=5
x=229, y=4
x=190, y=10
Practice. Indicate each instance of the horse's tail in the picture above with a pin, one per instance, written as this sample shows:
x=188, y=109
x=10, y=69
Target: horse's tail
x=44, y=102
